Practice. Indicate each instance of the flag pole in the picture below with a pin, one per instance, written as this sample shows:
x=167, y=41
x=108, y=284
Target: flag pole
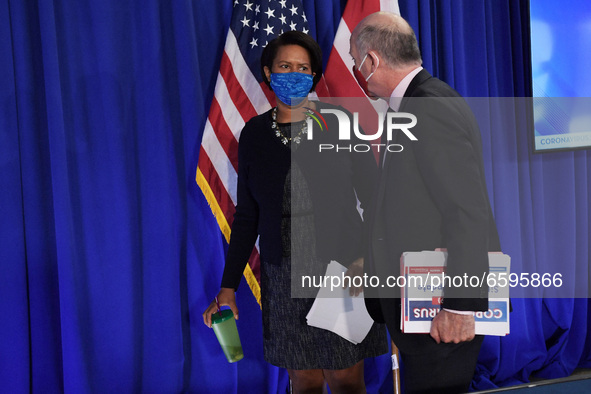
x=396, y=368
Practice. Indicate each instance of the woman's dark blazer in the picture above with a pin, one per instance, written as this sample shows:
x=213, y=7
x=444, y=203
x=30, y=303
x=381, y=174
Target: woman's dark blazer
x=334, y=179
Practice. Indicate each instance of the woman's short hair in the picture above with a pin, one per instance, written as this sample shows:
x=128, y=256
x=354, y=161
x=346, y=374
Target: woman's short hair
x=293, y=38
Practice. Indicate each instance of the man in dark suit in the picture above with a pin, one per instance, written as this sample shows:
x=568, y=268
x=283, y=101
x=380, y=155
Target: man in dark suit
x=430, y=195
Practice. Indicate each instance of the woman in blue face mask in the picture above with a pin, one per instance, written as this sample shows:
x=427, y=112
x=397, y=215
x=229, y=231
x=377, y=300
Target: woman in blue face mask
x=301, y=204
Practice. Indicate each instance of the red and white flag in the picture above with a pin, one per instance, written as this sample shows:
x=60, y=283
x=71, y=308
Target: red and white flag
x=339, y=70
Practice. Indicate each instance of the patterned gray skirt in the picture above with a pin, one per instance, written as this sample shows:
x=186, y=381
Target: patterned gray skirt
x=288, y=340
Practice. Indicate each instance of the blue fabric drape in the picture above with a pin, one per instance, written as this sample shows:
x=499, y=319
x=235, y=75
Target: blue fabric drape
x=108, y=251
x=15, y=344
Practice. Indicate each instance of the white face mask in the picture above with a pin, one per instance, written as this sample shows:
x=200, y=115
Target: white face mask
x=361, y=65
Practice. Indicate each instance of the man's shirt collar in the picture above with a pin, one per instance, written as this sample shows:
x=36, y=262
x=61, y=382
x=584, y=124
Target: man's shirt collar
x=398, y=92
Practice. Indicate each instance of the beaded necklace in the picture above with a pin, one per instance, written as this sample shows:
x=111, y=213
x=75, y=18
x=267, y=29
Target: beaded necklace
x=282, y=137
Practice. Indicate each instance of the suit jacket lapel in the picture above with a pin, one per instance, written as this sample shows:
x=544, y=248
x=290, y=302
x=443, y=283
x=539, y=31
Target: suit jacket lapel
x=421, y=77
x=384, y=139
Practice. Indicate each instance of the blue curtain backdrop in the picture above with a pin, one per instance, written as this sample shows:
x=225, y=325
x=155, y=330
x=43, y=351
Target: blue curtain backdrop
x=109, y=253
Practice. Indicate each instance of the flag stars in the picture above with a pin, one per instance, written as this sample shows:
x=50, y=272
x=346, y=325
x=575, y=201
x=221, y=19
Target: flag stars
x=270, y=13
x=282, y=19
x=268, y=29
x=257, y=9
x=253, y=43
x=304, y=17
x=248, y=5
x=305, y=30
x=292, y=26
x=245, y=22
x=256, y=26
x=282, y=2
x=294, y=10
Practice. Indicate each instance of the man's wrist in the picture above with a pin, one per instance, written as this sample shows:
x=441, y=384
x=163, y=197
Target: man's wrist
x=467, y=313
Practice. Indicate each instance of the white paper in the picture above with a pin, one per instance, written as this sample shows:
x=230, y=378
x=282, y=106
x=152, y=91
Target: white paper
x=335, y=310
x=419, y=300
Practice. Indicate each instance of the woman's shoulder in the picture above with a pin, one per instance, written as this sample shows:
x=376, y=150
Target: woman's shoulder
x=254, y=125
x=260, y=120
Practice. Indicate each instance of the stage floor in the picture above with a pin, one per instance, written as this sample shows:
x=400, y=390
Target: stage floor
x=578, y=383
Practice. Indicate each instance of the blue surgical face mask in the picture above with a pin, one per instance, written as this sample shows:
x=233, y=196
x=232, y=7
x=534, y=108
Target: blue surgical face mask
x=291, y=88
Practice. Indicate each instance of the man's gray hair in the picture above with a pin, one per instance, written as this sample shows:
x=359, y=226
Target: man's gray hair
x=398, y=48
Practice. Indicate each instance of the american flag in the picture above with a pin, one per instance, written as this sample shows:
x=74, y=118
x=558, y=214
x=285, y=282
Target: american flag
x=240, y=94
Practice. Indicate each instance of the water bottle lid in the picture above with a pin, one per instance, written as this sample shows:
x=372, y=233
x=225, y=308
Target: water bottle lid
x=226, y=314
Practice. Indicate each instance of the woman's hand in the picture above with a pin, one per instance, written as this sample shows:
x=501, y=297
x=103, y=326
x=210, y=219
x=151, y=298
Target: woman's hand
x=355, y=270
x=226, y=297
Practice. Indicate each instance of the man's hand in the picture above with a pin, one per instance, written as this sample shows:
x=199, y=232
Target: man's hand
x=355, y=269
x=452, y=327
